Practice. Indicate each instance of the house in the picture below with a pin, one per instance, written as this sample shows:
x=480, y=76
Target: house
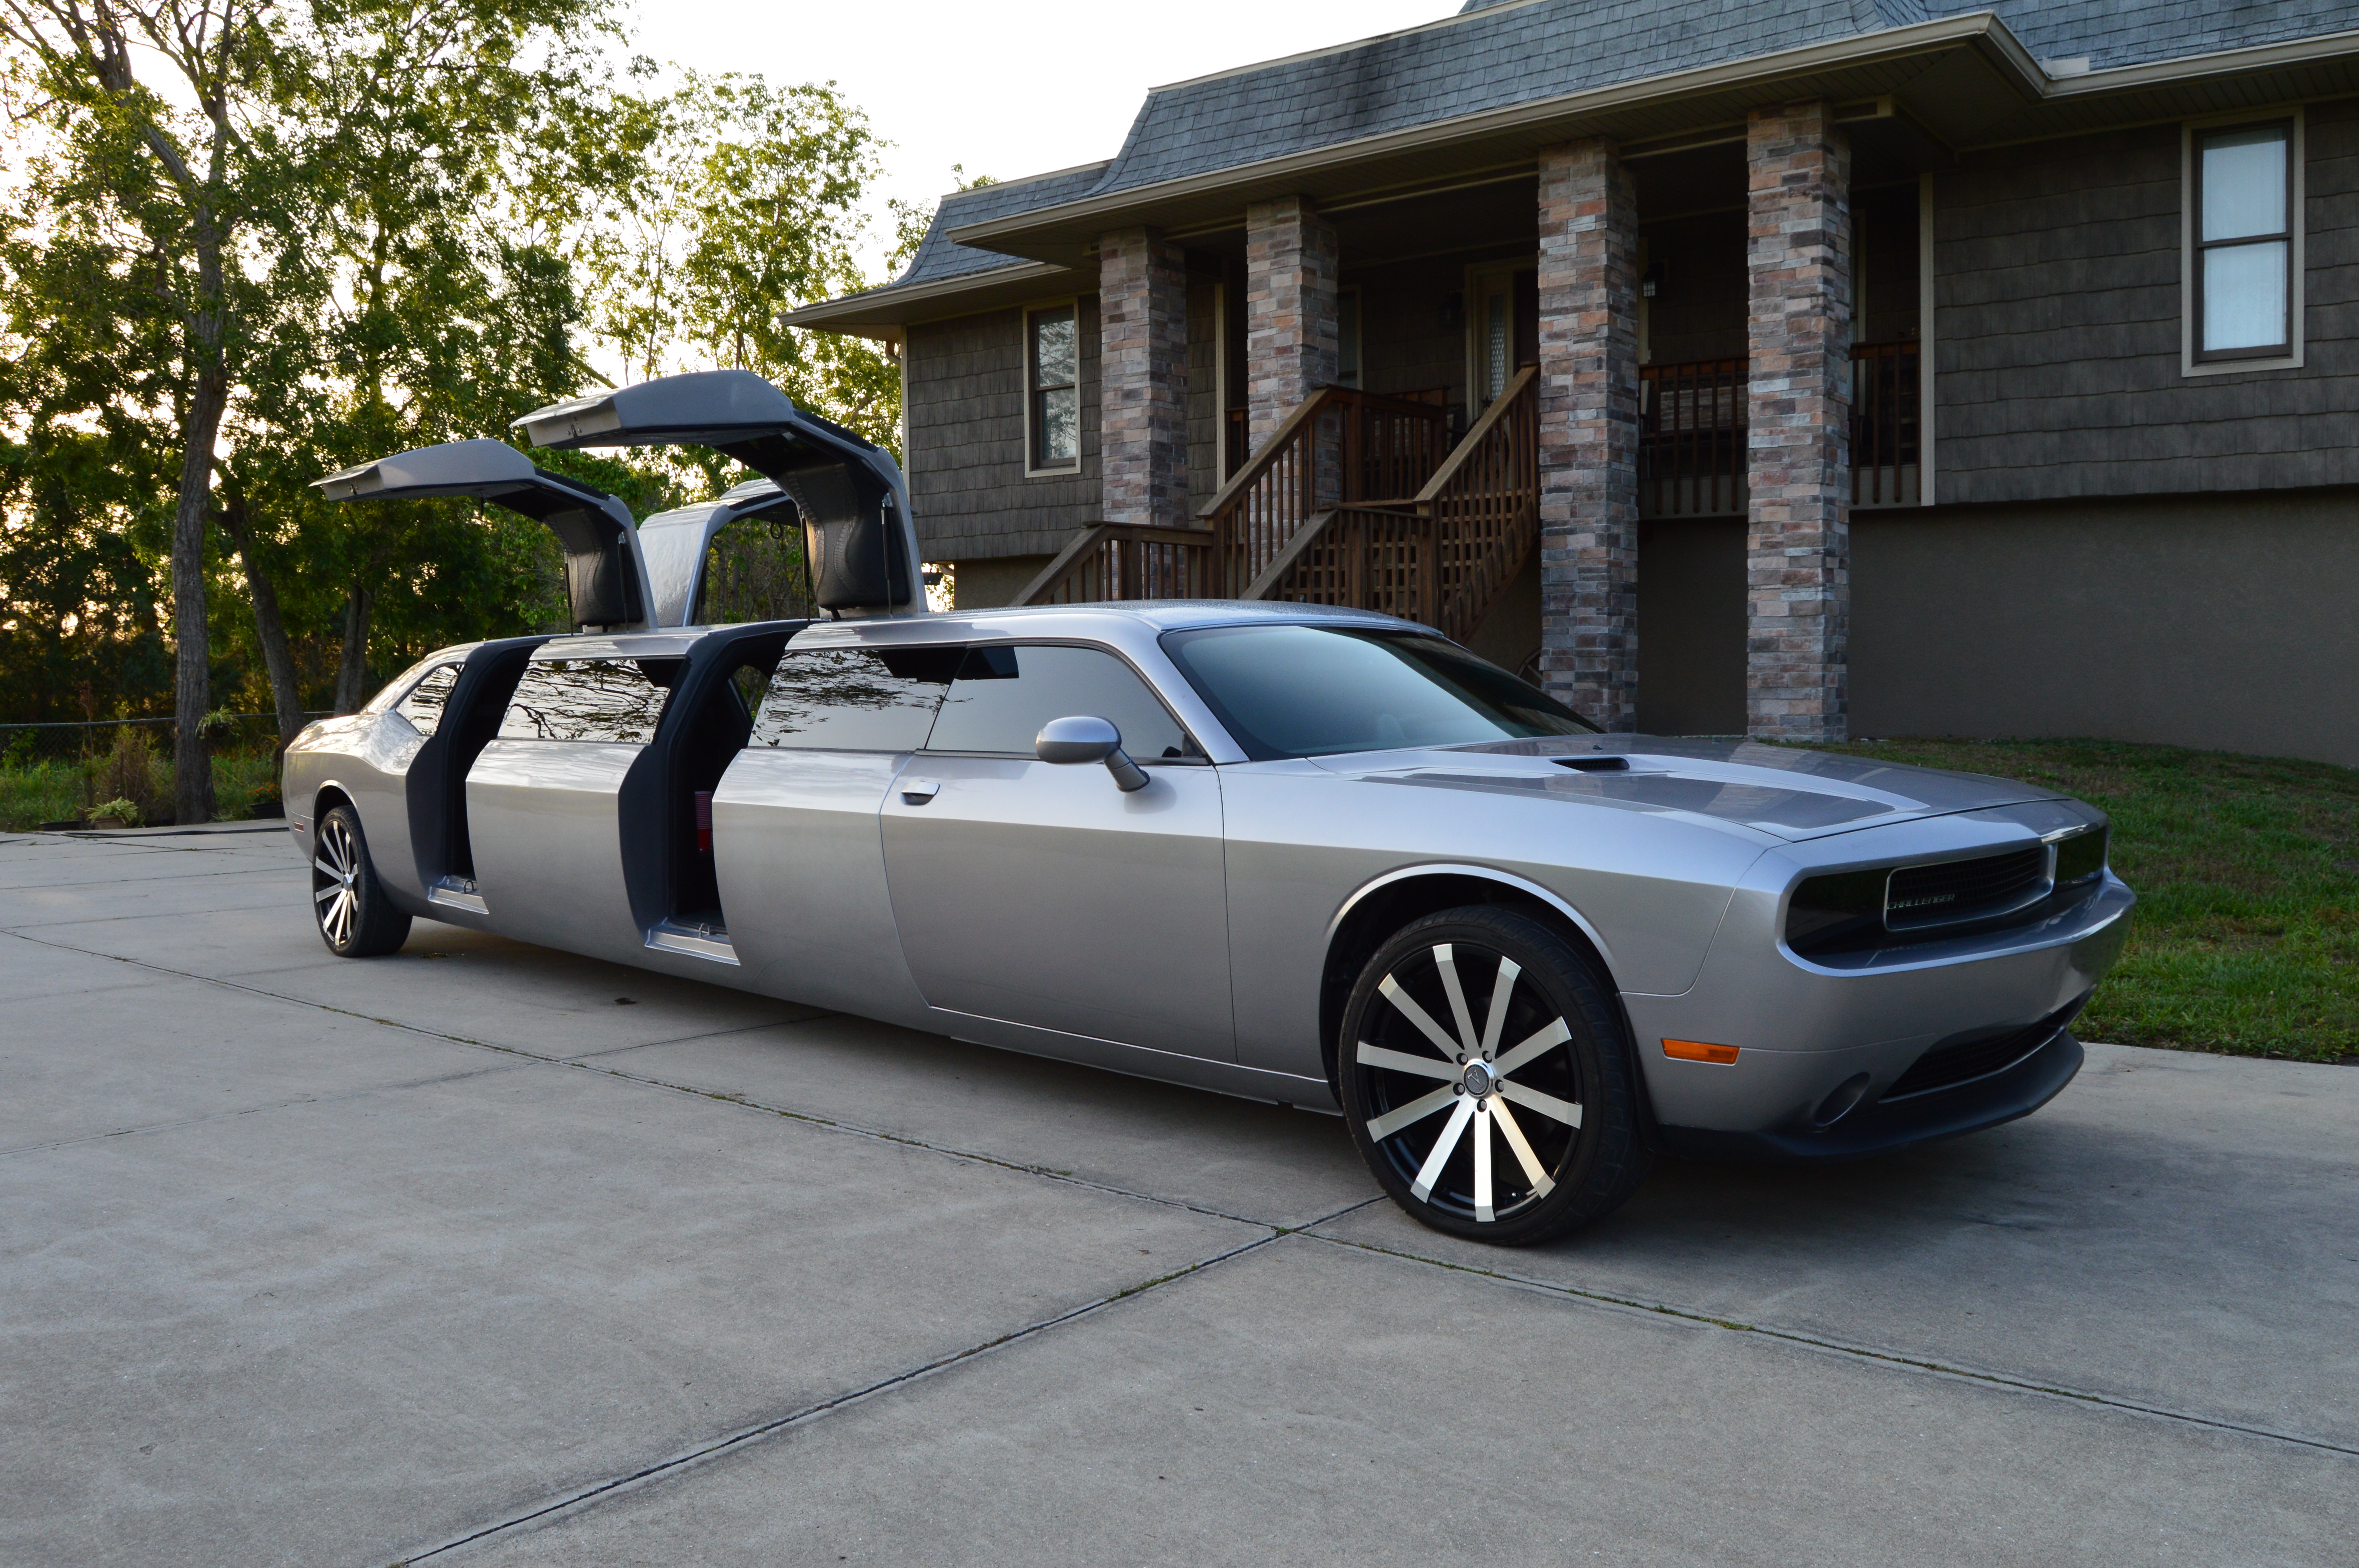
x=1798, y=368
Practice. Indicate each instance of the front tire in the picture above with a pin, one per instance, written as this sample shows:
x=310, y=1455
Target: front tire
x=356, y=918
x=1487, y=1081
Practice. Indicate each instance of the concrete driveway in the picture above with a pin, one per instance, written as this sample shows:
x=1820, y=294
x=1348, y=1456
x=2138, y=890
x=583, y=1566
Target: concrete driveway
x=483, y=1254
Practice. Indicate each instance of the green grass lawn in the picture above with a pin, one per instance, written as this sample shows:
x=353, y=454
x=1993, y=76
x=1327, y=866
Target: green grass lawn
x=2246, y=936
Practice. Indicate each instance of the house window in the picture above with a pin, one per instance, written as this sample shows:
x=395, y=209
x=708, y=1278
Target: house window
x=1054, y=411
x=2244, y=240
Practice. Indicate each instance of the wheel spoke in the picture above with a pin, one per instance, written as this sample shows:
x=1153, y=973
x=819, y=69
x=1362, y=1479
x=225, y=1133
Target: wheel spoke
x=1513, y=1131
x=1548, y=1105
x=337, y=913
x=1402, y=1061
x=1418, y=1016
x=1544, y=1038
x=1482, y=1165
x=1503, y=991
x=1444, y=1147
x=325, y=894
x=1446, y=960
x=1417, y=1110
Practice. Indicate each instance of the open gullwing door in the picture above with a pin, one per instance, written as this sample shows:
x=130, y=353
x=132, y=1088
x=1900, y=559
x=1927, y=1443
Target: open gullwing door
x=605, y=575
x=854, y=505
x=677, y=544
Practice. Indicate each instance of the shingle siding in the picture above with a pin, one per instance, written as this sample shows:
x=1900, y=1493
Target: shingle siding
x=2058, y=337
x=967, y=482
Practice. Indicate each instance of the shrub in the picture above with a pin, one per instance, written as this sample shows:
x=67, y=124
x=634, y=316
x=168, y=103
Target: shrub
x=132, y=772
x=126, y=812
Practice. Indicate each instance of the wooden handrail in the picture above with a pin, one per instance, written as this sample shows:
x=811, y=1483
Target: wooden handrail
x=1464, y=453
x=1085, y=547
x=1259, y=463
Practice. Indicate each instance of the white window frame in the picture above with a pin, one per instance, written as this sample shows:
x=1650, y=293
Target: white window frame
x=2188, y=132
x=1033, y=469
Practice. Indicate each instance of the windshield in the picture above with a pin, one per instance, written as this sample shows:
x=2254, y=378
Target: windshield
x=1313, y=691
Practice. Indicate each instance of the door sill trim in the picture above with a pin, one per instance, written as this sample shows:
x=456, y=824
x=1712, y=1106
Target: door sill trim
x=691, y=941
x=457, y=893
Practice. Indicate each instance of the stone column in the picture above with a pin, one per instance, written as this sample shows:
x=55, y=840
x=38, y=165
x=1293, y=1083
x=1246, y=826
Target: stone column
x=1589, y=432
x=1291, y=329
x=1143, y=378
x=1798, y=414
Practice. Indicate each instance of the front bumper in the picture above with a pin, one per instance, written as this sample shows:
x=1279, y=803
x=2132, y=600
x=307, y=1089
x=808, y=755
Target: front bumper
x=1879, y=1126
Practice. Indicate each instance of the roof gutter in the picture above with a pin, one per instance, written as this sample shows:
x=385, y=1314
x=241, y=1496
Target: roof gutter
x=902, y=299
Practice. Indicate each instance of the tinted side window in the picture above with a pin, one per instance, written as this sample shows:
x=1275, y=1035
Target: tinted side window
x=423, y=705
x=590, y=699
x=846, y=699
x=1002, y=696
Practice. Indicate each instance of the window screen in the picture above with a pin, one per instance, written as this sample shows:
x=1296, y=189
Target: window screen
x=423, y=705
x=847, y=700
x=1056, y=372
x=590, y=699
x=1002, y=696
x=2244, y=242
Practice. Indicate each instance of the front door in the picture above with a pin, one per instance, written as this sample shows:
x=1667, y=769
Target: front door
x=1043, y=895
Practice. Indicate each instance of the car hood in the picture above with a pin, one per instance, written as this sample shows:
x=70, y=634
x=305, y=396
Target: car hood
x=1789, y=794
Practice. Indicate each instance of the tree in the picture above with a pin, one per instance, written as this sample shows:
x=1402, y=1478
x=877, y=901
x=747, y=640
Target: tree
x=164, y=180
x=740, y=201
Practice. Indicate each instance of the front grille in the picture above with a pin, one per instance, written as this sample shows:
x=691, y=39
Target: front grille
x=1947, y=1065
x=1959, y=890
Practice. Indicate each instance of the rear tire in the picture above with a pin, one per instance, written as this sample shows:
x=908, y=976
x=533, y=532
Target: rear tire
x=357, y=917
x=1487, y=1081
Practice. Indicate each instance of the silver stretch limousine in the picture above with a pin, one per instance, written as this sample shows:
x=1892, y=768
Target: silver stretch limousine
x=1319, y=857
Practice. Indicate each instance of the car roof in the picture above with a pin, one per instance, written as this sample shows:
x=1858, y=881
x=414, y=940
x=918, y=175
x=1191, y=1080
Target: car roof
x=1127, y=618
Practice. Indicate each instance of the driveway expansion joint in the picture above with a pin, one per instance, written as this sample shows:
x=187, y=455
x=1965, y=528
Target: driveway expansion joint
x=1607, y=1300
x=806, y=1415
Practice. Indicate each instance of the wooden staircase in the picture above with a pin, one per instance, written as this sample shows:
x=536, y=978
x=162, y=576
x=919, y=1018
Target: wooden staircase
x=1355, y=499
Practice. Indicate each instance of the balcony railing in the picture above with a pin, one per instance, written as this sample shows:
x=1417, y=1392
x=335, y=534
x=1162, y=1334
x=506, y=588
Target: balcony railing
x=1692, y=441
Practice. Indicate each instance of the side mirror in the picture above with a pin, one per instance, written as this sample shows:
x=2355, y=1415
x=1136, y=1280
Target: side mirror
x=1080, y=739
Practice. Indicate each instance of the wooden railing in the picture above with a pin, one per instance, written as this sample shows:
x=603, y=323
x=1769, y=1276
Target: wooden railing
x=1446, y=555
x=1128, y=560
x=1887, y=424
x=1338, y=447
x=1691, y=439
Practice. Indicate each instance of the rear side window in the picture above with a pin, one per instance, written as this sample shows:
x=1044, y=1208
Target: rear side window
x=846, y=700
x=590, y=699
x=1002, y=696
x=423, y=706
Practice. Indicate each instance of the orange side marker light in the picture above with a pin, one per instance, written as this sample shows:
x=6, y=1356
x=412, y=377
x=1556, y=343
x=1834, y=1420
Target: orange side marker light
x=1697, y=1050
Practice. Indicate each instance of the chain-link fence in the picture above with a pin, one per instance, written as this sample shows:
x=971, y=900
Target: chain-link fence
x=121, y=770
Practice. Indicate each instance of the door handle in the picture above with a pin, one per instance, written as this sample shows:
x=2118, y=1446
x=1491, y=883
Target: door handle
x=917, y=792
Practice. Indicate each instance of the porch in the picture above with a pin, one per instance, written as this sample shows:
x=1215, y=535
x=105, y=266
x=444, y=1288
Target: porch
x=1624, y=399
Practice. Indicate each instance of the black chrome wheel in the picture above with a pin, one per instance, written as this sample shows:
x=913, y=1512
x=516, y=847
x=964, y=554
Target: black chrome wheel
x=1485, y=1079
x=356, y=919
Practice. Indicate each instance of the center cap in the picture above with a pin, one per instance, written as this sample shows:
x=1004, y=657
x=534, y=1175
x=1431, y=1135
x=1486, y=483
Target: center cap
x=1477, y=1080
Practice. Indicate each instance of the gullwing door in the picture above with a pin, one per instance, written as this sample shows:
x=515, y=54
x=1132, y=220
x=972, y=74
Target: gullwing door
x=854, y=506
x=605, y=575
x=678, y=543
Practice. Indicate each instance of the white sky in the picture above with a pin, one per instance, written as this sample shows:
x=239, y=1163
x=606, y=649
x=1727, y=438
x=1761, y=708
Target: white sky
x=1004, y=89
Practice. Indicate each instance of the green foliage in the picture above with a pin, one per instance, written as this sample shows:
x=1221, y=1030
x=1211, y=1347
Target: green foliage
x=2246, y=939
x=125, y=811
x=736, y=202
x=367, y=225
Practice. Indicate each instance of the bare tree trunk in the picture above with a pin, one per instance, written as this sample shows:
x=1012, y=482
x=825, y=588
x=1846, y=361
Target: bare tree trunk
x=352, y=674
x=192, y=766
x=277, y=657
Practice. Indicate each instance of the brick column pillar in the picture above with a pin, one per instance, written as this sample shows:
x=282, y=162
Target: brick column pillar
x=1291, y=329
x=1797, y=412
x=1143, y=378
x=1589, y=432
